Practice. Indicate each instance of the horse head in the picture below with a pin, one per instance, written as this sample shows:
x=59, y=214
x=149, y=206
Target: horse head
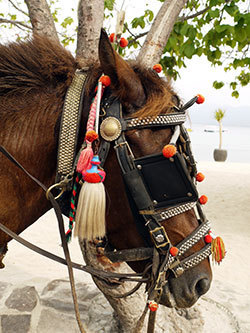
x=144, y=95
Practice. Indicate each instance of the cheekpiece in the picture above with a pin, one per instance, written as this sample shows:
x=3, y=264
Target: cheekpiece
x=110, y=129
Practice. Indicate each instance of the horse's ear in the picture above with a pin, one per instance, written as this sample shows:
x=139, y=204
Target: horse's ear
x=123, y=79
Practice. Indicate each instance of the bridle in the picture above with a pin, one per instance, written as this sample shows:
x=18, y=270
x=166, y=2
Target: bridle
x=139, y=178
x=148, y=212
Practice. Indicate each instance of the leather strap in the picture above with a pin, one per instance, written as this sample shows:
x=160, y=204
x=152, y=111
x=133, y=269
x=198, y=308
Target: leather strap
x=88, y=269
x=62, y=234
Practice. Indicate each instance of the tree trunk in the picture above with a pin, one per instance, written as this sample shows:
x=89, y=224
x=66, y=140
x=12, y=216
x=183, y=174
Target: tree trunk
x=156, y=40
x=129, y=309
x=41, y=18
x=90, y=17
x=220, y=132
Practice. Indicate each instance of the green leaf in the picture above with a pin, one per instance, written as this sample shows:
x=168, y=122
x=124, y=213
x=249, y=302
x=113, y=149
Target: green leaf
x=189, y=50
x=235, y=94
x=138, y=21
x=218, y=85
x=67, y=21
x=221, y=28
x=109, y=4
x=214, y=13
x=191, y=32
x=240, y=33
x=184, y=29
x=231, y=9
x=149, y=14
x=233, y=85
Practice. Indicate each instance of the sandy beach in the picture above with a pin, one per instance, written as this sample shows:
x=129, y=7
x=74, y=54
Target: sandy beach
x=227, y=186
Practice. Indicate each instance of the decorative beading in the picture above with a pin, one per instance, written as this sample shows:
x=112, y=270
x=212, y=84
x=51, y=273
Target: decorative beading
x=170, y=212
x=69, y=125
x=161, y=120
x=206, y=251
x=195, y=238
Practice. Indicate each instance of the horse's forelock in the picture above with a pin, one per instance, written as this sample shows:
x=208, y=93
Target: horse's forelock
x=159, y=92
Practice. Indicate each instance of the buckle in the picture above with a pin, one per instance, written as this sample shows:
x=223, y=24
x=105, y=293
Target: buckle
x=160, y=238
x=62, y=186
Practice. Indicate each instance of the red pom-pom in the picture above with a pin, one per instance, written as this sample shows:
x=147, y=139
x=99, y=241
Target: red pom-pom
x=112, y=37
x=152, y=305
x=200, y=177
x=208, y=238
x=91, y=136
x=174, y=251
x=157, y=68
x=169, y=151
x=203, y=200
x=200, y=99
x=92, y=177
x=105, y=80
x=123, y=42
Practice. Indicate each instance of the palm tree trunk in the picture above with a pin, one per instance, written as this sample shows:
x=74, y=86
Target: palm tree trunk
x=220, y=131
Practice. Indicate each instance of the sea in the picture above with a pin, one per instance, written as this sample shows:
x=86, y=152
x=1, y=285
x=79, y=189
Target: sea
x=205, y=138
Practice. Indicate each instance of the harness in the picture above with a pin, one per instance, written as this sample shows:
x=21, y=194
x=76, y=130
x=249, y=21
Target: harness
x=151, y=200
x=151, y=191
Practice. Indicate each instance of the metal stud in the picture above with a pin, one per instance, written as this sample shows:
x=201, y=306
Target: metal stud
x=139, y=167
x=110, y=129
x=179, y=271
x=159, y=238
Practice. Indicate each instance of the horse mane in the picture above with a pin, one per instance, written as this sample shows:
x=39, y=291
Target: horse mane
x=34, y=64
x=40, y=64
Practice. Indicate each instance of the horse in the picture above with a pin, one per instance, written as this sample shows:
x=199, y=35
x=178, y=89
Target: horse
x=35, y=76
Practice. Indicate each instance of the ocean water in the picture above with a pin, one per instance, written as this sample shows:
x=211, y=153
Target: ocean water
x=236, y=140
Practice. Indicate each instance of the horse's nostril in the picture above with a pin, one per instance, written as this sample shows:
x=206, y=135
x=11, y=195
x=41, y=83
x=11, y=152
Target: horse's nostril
x=202, y=286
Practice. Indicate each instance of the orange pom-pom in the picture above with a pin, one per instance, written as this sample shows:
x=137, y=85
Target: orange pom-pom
x=208, y=238
x=200, y=177
x=123, y=42
x=91, y=136
x=169, y=151
x=203, y=200
x=105, y=80
x=112, y=37
x=152, y=305
x=200, y=99
x=173, y=251
x=157, y=68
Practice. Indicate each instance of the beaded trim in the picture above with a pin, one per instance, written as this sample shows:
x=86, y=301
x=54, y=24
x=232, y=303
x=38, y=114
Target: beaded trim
x=69, y=126
x=161, y=120
x=170, y=212
x=196, y=258
x=203, y=230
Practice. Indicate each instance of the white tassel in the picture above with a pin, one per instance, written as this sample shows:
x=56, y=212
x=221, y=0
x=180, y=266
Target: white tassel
x=91, y=207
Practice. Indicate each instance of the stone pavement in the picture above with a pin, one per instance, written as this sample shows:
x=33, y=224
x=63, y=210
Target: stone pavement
x=23, y=310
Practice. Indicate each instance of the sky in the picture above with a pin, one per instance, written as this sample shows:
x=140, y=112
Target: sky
x=198, y=77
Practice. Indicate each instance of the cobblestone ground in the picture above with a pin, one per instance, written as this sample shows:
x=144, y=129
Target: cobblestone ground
x=24, y=310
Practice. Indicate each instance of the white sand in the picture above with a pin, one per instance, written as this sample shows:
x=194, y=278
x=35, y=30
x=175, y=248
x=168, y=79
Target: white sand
x=227, y=186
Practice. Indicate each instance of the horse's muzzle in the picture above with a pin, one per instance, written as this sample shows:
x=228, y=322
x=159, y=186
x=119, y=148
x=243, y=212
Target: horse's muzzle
x=183, y=292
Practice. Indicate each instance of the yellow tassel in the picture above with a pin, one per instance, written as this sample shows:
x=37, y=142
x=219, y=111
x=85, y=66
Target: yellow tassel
x=218, y=249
